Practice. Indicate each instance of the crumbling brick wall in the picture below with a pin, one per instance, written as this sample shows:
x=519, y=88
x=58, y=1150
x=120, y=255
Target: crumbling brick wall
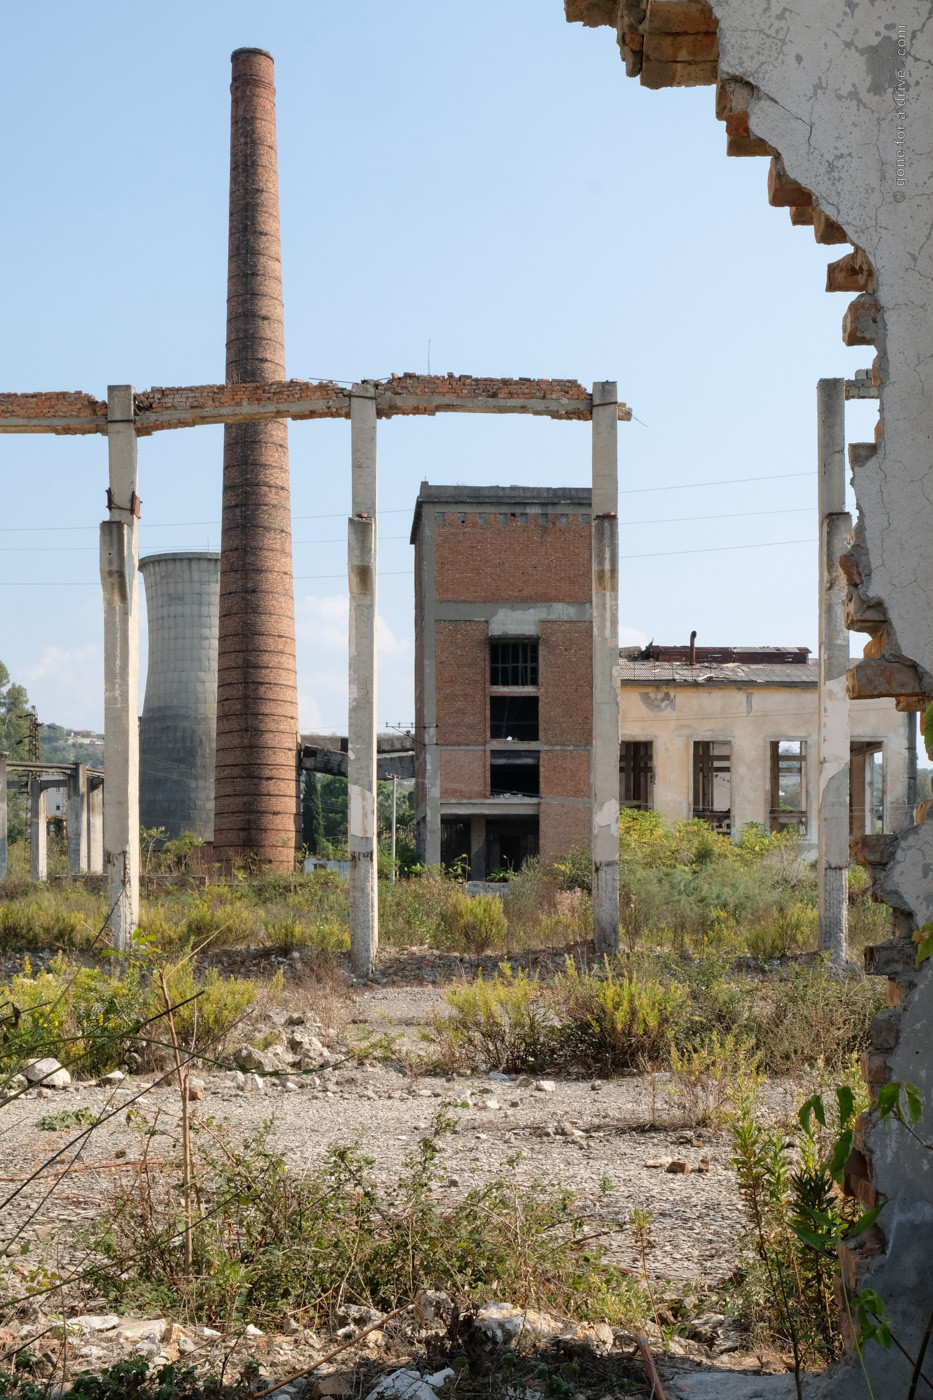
x=837, y=95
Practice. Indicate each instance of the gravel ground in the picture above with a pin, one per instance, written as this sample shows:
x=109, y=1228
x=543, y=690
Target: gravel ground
x=578, y=1135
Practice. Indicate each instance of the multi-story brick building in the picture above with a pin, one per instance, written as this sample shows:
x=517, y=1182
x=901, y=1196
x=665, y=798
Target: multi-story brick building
x=503, y=673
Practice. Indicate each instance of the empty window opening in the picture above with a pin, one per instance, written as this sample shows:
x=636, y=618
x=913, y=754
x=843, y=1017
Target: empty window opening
x=513, y=663
x=503, y=519
x=712, y=783
x=564, y=519
x=514, y=772
x=513, y=717
x=481, y=518
x=788, y=785
x=866, y=787
x=461, y=519
x=510, y=843
x=455, y=842
x=584, y=520
x=440, y=517
x=543, y=519
x=523, y=518
x=636, y=774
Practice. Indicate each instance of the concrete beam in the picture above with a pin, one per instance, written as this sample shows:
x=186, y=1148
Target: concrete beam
x=605, y=760
x=361, y=719
x=195, y=405
x=833, y=746
x=119, y=559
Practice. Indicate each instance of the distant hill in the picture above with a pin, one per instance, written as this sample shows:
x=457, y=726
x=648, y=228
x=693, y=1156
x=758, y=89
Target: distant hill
x=61, y=745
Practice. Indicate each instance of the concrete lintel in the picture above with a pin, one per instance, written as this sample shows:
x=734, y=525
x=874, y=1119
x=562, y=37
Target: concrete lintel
x=65, y=427
x=492, y=807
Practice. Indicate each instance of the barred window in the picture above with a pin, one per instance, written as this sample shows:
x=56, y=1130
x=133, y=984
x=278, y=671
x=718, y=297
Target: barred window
x=513, y=663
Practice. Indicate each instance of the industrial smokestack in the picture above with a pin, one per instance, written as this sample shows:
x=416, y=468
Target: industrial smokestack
x=693, y=648
x=176, y=727
x=256, y=789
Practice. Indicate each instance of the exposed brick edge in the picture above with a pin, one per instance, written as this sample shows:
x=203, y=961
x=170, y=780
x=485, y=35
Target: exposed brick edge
x=62, y=412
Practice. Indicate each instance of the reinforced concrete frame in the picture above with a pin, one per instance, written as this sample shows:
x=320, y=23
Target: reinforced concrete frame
x=84, y=787
x=127, y=415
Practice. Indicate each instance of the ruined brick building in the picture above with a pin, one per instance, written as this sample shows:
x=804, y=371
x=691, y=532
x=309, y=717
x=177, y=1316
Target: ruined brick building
x=503, y=673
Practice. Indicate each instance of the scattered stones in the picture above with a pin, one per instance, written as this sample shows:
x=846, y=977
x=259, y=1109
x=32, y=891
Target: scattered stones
x=52, y=1074
x=337, y=1383
x=545, y=1086
x=138, y=1329
x=593, y=1338
x=678, y=1168
x=404, y=1384
x=502, y=1324
x=252, y=1332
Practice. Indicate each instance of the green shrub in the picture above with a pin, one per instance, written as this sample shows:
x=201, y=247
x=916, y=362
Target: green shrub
x=616, y=1018
x=504, y=1023
x=475, y=924
x=805, y=1015
x=79, y=1015
x=270, y=1244
x=788, y=928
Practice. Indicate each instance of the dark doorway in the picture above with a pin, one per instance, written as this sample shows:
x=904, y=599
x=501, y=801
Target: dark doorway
x=455, y=841
x=510, y=842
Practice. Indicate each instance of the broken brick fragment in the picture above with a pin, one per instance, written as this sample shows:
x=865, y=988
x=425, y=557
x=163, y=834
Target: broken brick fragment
x=826, y=230
x=862, y=321
x=783, y=192
x=680, y=17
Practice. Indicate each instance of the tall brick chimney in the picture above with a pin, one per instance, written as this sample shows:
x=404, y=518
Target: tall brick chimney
x=256, y=779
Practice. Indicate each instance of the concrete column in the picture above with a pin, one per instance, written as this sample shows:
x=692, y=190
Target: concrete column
x=4, y=846
x=95, y=826
x=38, y=831
x=77, y=819
x=833, y=749
x=477, y=848
x=119, y=557
x=361, y=721
x=605, y=761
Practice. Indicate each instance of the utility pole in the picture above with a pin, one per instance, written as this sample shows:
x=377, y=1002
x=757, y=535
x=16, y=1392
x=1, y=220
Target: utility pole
x=394, y=803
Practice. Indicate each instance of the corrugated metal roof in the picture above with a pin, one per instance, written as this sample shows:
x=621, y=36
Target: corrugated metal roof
x=735, y=673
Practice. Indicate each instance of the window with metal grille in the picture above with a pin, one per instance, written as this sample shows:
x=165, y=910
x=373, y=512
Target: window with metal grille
x=513, y=663
x=636, y=774
x=712, y=783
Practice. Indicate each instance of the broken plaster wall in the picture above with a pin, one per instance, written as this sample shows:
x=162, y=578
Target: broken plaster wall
x=839, y=93
x=828, y=75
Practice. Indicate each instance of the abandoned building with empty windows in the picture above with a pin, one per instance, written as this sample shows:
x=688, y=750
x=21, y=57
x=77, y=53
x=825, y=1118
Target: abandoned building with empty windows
x=503, y=701
x=730, y=734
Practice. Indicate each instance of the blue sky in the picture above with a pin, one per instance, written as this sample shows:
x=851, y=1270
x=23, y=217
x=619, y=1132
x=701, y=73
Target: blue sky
x=483, y=179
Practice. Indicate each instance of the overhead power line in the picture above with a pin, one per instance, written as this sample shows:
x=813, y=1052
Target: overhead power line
x=398, y=573
x=406, y=510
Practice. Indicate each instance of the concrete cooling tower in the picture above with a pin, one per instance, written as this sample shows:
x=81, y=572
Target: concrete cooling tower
x=177, y=728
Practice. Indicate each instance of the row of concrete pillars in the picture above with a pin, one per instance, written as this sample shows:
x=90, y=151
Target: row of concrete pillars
x=84, y=816
x=361, y=731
